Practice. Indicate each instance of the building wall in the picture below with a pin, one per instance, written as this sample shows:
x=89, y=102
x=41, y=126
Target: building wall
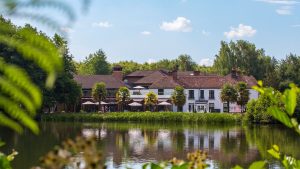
x=218, y=104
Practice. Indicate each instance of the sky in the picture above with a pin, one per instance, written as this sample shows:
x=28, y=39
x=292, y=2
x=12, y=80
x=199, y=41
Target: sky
x=150, y=30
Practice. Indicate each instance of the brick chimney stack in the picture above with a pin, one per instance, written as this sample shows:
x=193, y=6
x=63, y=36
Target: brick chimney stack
x=117, y=72
x=196, y=73
x=175, y=73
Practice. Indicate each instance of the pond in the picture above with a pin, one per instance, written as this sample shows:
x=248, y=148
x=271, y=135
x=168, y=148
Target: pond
x=131, y=144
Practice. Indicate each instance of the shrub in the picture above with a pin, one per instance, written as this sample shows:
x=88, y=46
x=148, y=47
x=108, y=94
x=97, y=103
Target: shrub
x=257, y=109
x=144, y=117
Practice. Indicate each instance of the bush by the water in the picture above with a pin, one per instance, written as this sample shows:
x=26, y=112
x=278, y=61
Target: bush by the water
x=257, y=109
x=144, y=117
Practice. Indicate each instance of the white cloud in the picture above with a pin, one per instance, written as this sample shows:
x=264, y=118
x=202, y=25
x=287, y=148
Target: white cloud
x=180, y=24
x=206, y=62
x=284, y=10
x=240, y=32
x=67, y=29
x=295, y=26
x=280, y=2
x=150, y=60
x=205, y=33
x=146, y=33
x=104, y=24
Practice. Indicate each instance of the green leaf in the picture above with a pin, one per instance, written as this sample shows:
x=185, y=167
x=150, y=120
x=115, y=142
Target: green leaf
x=290, y=100
x=145, y=165
x=274, y=152
x=275, y=147
x=260, y=83
x=4, y=163
x=2, y=143
x=155, y=166
x=182, y=166
x=258, y=165
x=280, y=116
x=237, y=167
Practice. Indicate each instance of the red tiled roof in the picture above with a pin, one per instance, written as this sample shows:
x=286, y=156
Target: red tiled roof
x=213, y=82
x=88, y=81
x=166, y=82
x=140, y=73
x=151, y=78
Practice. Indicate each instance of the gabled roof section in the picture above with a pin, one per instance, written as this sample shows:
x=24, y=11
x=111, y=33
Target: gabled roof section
x=201, y=82
x=140, y=73
x=250, y=80
x=151, y=78
x=213, y=81
x=88, y=81
x=165, y=82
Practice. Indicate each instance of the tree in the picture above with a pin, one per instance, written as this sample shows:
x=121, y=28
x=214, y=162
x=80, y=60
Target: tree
x=123, y=96
x=245, y=56
x=288, y=71
x=151, y=99
x=243, y=95
x=228, y=94
x=178, y=97
x=95, y=63
x=186, y=63
x=99, y=93
x=66, y=91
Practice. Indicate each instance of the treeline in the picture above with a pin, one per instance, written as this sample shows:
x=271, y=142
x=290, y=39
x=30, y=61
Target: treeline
x=97, y=63
x=240, y=54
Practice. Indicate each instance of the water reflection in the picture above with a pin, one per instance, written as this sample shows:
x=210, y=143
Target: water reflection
x=132, y=144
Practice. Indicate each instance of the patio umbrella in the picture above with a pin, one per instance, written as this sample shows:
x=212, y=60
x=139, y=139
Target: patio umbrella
x=138, y=87
x=134, y=104
x=102, y=103
x=164, y=104
x=88, y=103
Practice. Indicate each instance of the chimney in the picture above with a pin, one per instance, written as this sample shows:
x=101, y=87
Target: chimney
x=175, y=73
x=196, y=73
x=117, y=72
x=234, y=73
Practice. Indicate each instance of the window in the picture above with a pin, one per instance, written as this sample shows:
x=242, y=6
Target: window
x=225, y=107
x=201, y=94
x=211, y=107
x=191, y=94
x=211, y=94
x=191, y=107
x=160, y=91
x=86, y=93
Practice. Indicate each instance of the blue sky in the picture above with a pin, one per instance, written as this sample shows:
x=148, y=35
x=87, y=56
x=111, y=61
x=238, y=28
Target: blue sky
x=150, y=30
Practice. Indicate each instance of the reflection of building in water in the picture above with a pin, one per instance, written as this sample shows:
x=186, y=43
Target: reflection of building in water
x=129, y=145
x=203, y=140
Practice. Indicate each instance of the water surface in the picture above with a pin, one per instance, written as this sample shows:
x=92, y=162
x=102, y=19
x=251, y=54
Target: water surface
x=131, y=144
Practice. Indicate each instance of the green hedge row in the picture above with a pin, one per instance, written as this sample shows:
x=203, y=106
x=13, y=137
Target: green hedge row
x=144, y=117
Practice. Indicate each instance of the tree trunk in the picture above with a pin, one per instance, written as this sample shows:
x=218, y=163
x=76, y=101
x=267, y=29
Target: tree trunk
x=228, y=107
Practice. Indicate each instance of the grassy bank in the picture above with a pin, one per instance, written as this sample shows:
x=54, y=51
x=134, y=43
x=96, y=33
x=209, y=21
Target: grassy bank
x=143, y=117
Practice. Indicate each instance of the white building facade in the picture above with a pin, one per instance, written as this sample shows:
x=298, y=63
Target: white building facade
x=202, y=90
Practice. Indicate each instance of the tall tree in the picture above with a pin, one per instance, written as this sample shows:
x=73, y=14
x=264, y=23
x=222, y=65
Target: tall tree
x=151, y=100
x=178, y=97
x=66, y=91
x=288, y=71
x=123, y=96
x=245, y=56
x=95, y=63
x=243, y=95
x=228, y=95
x=186, y=63
x=99, y=93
